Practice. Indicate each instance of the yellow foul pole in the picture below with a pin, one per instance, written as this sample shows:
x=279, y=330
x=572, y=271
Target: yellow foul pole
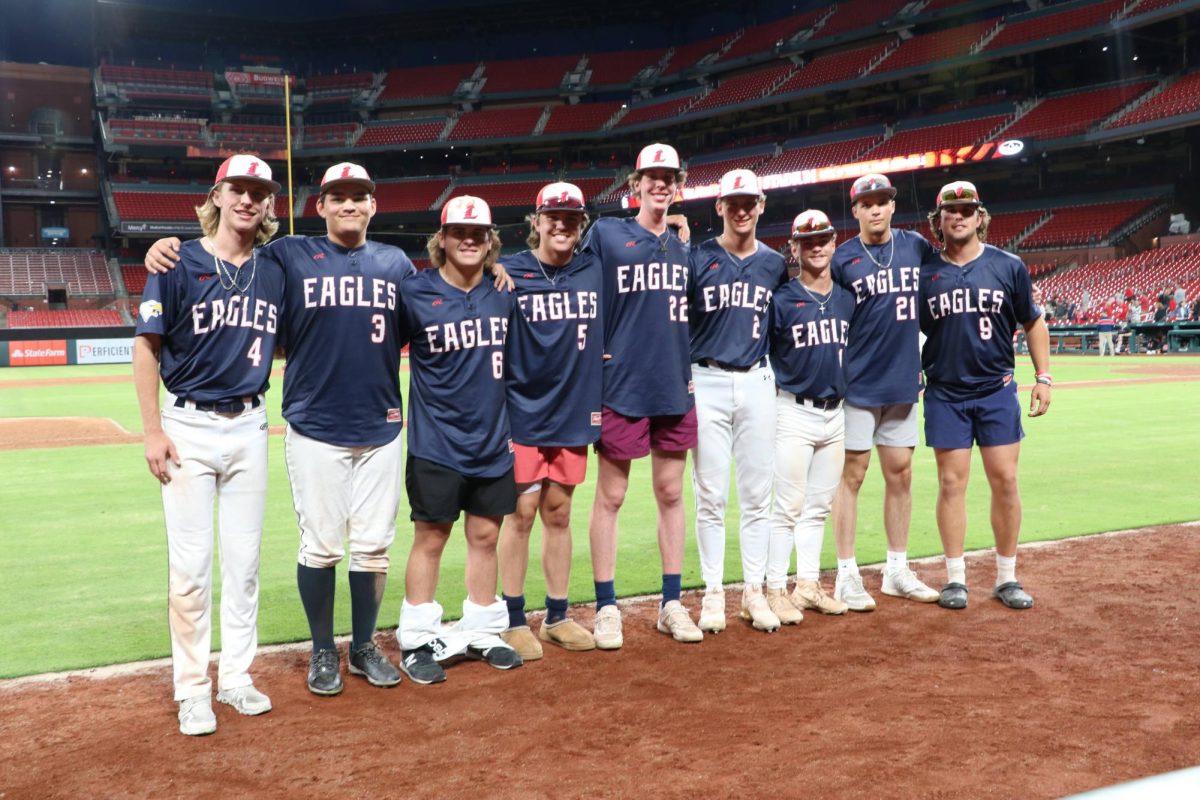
x=287, y=116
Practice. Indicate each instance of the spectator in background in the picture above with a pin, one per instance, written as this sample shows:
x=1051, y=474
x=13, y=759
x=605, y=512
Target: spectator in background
x=1135, y=311
x=1160, y=312
x=1195, y=317
x=1106, y=325
x=1180, y=297
x=1085, y=301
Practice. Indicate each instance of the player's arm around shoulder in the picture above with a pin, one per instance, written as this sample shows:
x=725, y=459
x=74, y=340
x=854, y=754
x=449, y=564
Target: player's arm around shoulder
x=163, y=255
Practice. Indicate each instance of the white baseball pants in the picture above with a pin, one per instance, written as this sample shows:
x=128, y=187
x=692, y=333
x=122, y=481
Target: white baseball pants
x=735, y=418
x=809, y=454
x=344, y=494
x=222, y=457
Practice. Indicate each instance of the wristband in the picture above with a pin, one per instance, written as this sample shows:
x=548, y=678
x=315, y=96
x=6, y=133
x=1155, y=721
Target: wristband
x=1044, y=378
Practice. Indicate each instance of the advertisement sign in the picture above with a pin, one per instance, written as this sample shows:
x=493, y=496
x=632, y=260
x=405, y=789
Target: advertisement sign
x=37, y=353
x=104, y=351
x=160, y=227
x=56, y=233
x=257, y=78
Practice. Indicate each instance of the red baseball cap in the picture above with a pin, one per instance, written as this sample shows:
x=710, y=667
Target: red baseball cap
x=245, y=167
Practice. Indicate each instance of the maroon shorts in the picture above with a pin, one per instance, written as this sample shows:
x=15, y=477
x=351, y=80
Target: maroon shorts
x=625, y=438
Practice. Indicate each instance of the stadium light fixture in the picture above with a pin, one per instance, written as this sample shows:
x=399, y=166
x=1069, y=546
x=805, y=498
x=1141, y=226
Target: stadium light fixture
x=1104, y=49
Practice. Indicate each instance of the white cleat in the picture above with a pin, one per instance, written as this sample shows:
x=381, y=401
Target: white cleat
x=712, y=611
x=246, y=699
x=849, y=589
x=903, y=582
x=757, y=610
x=606, y=629
x=196, y=717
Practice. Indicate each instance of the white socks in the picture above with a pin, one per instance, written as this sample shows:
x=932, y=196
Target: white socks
x=1006, y=569
x=847, y=566
x=897, y=560
x=956, y=570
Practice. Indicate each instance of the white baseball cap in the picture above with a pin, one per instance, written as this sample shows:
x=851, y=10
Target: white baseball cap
x=560, y=196
x=245, y=167
x=346, y=173
x=740, y=182
x=658, y=156
x=811, y=223
x=466, y=210
x=958, y=193
x=872, y=183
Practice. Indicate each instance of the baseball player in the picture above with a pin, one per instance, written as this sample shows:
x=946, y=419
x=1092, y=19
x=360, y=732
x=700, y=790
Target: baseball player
x=731, y=281
x=553, y=356
x=209, y=329
x=972, y=298
x=459, y=450
x=648, y=407
x=880, y=267
x=341, y=398
x=810, y=320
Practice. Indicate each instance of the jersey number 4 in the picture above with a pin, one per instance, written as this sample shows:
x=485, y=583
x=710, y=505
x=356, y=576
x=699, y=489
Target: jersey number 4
x=255, y=352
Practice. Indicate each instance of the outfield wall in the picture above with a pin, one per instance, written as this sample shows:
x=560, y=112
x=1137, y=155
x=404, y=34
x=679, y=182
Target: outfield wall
x=39, y=347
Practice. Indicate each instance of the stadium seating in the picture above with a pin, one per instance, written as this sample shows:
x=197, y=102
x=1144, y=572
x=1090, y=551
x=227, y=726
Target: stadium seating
x=1071, y=114
x=834, y=68
x=390, y=133
x=332, y=88
x=686, y=55
x=416, y=195
x=1003, y=228
x=845, y=151
x=851, y=16
x=711, y=172
x=580, y=118
x=134, y=276
x=170, y=206
x=414, y=83
x=763, y=38
x=591, y=187
x=740, y=88
x=269, y=135
x=27, y=271
x=652, y=111
x=526, y=74
x=144, y=83
x=1083, y=225
x=938, y=137
x=157, y=131
x=942, y=45
x=1181, y=97
x=1143, y=272
x=72, y=318
x=610, y=69
x=1022, y=29
x=328, y=135
x=503, y=195
x=1146, y=6
x=495, y=123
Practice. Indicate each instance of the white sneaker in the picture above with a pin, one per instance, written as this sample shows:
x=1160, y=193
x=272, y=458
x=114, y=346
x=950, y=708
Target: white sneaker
x=674, y=619
x=849, y=589
x=712, y=611
x=196, y=717
x=756, y=609
x=903, y=582
x=607, y=628
x=246, y=699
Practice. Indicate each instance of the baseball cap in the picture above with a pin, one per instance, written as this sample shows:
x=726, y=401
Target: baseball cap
x=740, y=182
x=658, y=156
x=245, y=167
x=872, y=183
x=560, y=196
x=466, y=210
x=346, y=173
x=960, y=193
x=811, y=223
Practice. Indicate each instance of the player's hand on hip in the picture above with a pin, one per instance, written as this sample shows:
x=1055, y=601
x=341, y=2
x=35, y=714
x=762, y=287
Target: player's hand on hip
x=502, y=279
x=163, y=255
x=1039, y=400
x=680, y=224
x=160, y=451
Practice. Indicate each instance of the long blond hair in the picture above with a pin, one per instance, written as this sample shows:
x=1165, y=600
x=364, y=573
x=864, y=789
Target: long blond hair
x=437, y=253
x=209, y=215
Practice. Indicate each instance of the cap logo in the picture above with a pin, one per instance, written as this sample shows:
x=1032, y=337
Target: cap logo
x=658, y=156
x=253, y=169
x=563, y=198
x=346, y=171
x=469, y=212
x=737, y=182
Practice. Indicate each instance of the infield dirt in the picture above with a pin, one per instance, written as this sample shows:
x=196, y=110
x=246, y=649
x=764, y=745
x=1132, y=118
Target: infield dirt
x=1094, y=686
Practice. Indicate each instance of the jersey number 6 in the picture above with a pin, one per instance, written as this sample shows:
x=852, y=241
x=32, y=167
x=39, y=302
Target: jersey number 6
x=498, y=364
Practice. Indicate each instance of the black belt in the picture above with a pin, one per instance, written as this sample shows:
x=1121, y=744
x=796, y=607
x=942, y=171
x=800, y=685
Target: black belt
x=714, y=364
x=816, y=402
x=229, y=405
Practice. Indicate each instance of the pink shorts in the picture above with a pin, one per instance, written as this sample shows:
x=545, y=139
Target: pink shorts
x=625, y=438
x=563, y=465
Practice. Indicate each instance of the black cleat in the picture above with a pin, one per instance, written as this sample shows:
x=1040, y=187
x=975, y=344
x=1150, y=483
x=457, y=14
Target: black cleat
x=324, y=673
x=370, y=662
x=421, y=667
x=500, y=656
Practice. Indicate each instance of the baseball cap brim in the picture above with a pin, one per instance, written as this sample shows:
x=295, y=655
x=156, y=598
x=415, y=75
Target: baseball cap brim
x=271, y=185
x=360, y=183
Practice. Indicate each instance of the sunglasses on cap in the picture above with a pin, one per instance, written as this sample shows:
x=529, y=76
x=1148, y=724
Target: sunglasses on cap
x=561, y=202
x=959, y=194
x=811, y=228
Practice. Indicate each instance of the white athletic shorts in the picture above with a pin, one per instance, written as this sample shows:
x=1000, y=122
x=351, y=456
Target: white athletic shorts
x=890, y=426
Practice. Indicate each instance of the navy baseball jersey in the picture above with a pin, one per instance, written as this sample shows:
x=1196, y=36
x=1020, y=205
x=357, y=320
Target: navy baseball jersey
x=456, y=402
x=343, y=333
x=217, y=339
x=969, y=315
x=645, y=312
x=729, y=299
x=808, y=332
x=554, y=351
x=883, y=359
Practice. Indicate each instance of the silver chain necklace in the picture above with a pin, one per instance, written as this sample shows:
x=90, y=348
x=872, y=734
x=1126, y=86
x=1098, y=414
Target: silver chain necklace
x=816, y=299
x=891, y=253
x=546, y=275
x=229, y=278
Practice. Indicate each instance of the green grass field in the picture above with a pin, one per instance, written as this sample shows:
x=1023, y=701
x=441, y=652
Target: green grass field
x=83, y=555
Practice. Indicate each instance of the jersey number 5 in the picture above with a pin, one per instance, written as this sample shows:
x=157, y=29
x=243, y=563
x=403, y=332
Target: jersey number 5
x=581, y=335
